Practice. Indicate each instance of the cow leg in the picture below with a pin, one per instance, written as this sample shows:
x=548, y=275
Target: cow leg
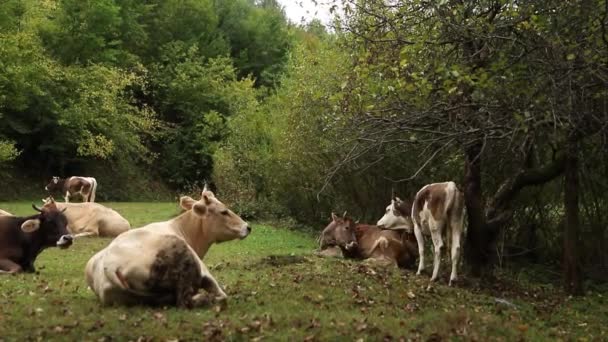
x=420, y=241
x=67, y=197
x=381, y=261
x=436, y=228
x=79, y=235
x=8, y=267
x=456, y=233
x=209, y=284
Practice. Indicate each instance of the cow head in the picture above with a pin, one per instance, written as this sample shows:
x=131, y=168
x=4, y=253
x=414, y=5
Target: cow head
x=50, y=225
x=339, y=232
x=396, y=216
x=221, y=223
x=55, y=184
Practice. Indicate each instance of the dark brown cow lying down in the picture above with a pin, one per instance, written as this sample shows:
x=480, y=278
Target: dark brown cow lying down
x=23, y=238
x=362, y=241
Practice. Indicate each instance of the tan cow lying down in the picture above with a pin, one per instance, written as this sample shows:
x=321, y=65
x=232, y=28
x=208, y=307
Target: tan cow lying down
x=92, y=219
x=159, y=263
x=5, y=213
x=362, y=241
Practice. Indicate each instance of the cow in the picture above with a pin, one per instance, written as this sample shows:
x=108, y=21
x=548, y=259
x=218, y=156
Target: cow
x=85, y=186
x=5, y=213
x=397, y=216
x=437, y=210
x=23, y=238
x=362, y=241
x=93, y=219
x=160, y=264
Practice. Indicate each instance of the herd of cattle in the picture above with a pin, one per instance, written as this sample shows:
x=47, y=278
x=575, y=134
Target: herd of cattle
x=161, y=263
x=398, y=238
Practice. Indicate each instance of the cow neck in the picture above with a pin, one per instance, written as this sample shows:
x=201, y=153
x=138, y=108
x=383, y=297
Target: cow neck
x=33, y=243
x=359, y=231
x=191, y=228
x=62, y=184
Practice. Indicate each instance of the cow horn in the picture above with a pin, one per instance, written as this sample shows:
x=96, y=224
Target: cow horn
x=344, y=215
x=36, y=208
x=205, y=187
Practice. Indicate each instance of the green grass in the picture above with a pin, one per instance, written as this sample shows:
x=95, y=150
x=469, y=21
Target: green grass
x=279, y=291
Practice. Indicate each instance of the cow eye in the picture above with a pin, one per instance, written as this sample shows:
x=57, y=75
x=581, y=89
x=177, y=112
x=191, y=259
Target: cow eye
x=225, y=212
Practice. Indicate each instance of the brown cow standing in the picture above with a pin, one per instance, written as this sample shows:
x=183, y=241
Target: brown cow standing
x=23, y=238
x=85, y=186
x=362, y=241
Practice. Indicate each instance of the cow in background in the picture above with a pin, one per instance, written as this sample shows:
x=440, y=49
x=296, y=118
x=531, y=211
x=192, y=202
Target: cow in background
x=23, y=238
x=362, y=241
x=437, y=210
x=84, y=186
x=161, y=262
x=92, y=219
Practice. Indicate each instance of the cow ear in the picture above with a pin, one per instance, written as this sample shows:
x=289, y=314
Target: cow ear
x=334, y=217
x=186, y=202
x=30, y=225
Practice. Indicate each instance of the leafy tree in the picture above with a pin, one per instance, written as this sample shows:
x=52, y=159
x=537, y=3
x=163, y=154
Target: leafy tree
x=259, y=38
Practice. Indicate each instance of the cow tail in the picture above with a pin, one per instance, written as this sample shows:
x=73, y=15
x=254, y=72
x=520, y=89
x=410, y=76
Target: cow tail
x=93, y=190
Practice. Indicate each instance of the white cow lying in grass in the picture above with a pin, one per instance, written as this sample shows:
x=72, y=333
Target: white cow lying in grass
x=92, y=219
x=159, y=263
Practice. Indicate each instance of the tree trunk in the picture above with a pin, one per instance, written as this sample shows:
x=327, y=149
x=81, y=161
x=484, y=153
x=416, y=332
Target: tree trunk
x=476, y=252
x=572, y=273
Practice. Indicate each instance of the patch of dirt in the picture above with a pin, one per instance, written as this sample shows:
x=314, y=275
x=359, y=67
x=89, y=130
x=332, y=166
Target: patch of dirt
x=282, y=260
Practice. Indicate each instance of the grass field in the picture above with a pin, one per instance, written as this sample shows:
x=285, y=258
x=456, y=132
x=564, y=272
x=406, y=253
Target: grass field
x=279, y=291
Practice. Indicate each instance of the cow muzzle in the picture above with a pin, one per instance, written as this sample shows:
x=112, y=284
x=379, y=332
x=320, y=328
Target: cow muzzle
x=245, y=232
x=65, y=241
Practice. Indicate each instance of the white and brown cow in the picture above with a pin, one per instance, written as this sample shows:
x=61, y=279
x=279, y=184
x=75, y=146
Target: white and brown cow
x=92, y=219
x=437, y=210
x=85, y=186
x=161, y=262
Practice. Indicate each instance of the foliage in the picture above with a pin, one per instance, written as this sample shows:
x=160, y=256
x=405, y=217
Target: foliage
x=7, y=151
x=113, y=83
